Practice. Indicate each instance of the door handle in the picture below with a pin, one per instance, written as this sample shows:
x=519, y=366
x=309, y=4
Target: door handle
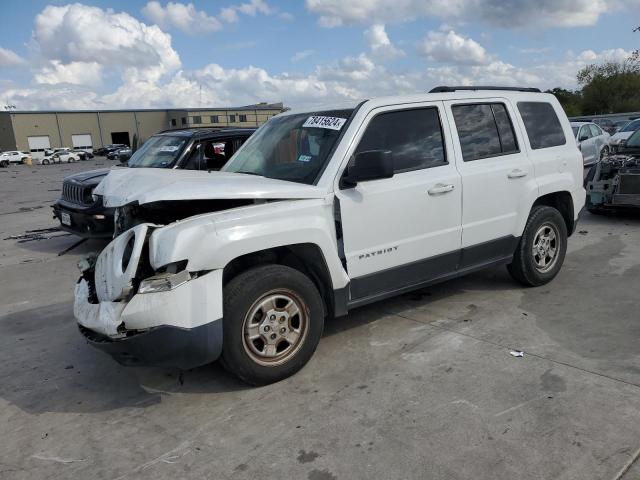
x=517, y=173
x=439, y=188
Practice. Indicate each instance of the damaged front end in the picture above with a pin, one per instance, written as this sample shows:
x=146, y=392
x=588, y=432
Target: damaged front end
x=167, y=316
x=613, y=183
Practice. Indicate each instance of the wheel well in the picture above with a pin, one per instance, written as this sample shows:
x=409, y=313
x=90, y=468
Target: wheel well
x=562, y=202
x=307, y=258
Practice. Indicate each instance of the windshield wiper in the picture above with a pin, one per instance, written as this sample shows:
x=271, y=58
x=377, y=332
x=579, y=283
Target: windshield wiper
x=250, y=173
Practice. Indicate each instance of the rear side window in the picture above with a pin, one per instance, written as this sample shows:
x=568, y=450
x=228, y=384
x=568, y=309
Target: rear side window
x=413, y=136
x=542, y=125
x=485, y=130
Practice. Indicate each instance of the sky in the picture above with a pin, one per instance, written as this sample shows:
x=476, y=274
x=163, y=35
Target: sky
x=158, y=54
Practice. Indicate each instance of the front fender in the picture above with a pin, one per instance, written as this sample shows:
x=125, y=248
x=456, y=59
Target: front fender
x=210, y=241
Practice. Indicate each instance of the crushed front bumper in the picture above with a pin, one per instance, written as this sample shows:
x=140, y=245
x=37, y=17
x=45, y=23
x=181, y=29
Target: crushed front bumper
x=179, y=328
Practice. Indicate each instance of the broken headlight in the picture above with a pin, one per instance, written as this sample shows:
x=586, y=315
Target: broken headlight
x=164, y=282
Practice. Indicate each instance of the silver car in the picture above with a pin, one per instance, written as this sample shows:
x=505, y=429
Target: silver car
x=592, y=141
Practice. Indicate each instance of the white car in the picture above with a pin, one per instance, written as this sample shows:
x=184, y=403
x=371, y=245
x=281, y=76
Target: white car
x=62, y=156
x=13, y=157
x=623, y=134
x=592, y=141
x=322, y=211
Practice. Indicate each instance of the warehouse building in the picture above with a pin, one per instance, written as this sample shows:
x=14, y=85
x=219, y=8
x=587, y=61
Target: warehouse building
x=36, y=131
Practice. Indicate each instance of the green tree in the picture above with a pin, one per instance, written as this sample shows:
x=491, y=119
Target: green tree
x=571, y=101
x=611, y=87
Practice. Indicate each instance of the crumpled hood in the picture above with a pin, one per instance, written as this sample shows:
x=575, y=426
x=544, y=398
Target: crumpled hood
x=147, y=185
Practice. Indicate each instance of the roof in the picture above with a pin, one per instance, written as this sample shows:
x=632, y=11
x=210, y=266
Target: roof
x=208, y=131
x=579, y=124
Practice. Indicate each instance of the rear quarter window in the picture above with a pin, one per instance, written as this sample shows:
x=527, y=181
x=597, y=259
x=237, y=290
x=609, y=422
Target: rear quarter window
x=542, y=124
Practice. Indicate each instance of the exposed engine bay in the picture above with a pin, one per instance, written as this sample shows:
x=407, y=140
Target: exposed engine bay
x=614, y=182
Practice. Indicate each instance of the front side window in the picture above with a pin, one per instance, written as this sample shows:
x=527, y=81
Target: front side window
x=542, y=124
x=585, y=133
x=485, y=130
x=414, y=137
x=161, y=151
x=634, y=140
x=295, y=148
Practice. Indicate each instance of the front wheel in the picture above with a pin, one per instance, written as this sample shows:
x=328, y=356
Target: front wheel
x=45, y=162
x=273, y=321
x=604, y=153
x=542, y=247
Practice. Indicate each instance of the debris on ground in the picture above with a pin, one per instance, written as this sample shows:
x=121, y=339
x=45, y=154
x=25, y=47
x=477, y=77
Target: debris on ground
x=517, y=353
x=583, y=232
x=38, y=234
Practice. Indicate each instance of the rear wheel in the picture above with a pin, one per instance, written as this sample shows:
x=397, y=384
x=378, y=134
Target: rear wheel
x=273, y=321
x=542, y=247
x=45, y=162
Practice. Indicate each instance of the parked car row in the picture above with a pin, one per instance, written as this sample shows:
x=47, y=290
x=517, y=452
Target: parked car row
x=319, y=212
x=14, y=157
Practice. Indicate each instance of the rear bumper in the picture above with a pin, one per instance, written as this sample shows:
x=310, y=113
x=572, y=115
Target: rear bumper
x=86, y=223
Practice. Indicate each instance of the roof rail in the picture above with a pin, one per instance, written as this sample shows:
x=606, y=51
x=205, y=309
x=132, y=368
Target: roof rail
x=445, y=89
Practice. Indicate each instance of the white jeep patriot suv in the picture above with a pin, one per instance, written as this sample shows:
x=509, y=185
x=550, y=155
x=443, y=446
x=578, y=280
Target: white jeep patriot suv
x=323, y=211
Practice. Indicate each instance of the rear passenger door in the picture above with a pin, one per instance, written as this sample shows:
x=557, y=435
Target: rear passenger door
x=403, y=230
x=498, y=178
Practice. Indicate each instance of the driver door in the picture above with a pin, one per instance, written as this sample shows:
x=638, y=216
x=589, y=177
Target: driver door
x=404, y=230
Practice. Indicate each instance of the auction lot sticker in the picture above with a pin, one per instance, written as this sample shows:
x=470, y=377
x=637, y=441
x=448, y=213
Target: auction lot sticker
x=317, y=121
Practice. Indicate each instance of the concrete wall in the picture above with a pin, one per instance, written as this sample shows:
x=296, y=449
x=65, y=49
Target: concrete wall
x=7, y=139
x=35, y=124
x=72, y=123
x=150, y=123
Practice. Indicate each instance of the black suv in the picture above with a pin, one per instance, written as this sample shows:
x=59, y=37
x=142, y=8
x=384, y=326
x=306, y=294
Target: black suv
x=83, y=214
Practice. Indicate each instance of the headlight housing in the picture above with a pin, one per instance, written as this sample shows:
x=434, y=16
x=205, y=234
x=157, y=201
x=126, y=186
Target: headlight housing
x=164, y=282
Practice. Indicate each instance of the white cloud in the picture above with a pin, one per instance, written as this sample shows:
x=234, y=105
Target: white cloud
x=229, y=14
x=254, y=7
x=182, y=16
x=77, y=73
x=117, y=41
x=380, y=44
x=286, y=16
x=527, y=13
x=9, y=58
x=298, y=56
x=452, y=48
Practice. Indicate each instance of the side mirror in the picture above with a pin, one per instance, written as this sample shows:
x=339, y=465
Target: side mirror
x=369, y=165
x=583, y=138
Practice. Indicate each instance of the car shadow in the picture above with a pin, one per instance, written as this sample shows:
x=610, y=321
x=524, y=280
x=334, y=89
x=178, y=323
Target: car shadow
x=47, y=366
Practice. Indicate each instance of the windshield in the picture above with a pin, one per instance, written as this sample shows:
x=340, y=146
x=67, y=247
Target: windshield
x=631, y=126
x=160, y=151
x=292, y=147
x=634, y=140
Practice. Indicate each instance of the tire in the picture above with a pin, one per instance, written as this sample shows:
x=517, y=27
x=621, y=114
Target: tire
x=604, y=152
x=277, y=289
x=4, y=163
x=544, y=223
x=45, y=162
